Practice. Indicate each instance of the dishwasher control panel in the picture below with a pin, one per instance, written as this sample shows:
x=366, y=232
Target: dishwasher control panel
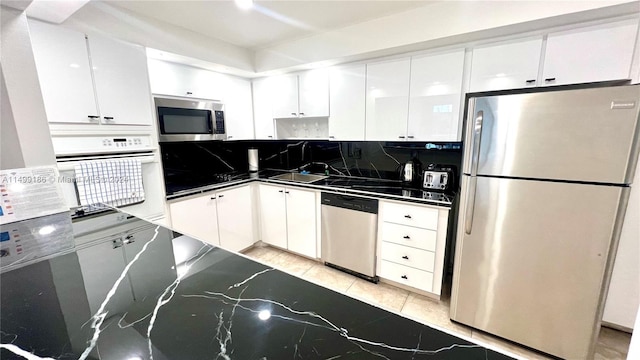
x=350, y=202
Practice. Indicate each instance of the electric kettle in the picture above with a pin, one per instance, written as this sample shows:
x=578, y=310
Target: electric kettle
x=411, y=171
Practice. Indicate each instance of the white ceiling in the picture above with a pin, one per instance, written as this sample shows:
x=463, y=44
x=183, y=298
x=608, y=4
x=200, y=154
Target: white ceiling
x=268, y=22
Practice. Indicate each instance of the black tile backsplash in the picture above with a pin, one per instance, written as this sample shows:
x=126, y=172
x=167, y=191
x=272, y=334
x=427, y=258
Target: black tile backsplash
x=193, y=164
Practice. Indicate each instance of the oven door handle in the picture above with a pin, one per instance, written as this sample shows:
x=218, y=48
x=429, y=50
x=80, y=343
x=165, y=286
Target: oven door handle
x=70, y=165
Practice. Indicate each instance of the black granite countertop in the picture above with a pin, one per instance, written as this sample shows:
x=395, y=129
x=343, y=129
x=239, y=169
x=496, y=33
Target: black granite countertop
x=211, y=304
x=379, y=188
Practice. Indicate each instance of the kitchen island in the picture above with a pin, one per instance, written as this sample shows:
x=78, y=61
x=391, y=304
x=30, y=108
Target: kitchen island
x=212, y=304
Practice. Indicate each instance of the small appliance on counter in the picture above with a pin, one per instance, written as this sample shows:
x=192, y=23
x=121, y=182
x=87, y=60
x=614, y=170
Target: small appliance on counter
x=410, y=171
x=438, y=177
x=252, y=155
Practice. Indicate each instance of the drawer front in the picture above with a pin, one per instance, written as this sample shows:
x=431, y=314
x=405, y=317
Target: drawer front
x=419, y=259
x=409, y=236
x=415, y=278
x=417, y=216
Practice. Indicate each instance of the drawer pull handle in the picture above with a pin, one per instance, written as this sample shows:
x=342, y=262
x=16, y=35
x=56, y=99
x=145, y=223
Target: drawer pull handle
x=213, y=198
x=404, y=277
x=406, y=237
x=408, y=216
x=405, y=257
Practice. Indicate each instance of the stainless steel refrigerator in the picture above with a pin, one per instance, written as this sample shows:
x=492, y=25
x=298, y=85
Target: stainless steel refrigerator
x=544, y=189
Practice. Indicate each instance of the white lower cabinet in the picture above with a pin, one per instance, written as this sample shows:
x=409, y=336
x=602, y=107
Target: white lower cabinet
x=223, y=218
x=288, y=219
x=411, y=245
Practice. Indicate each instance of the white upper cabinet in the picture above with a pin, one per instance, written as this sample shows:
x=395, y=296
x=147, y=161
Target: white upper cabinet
x=64, y=72
x=313, y=91
x=506, y=66
x=285, y=96
x=66, y=61
x=591, y=54
x=186, y=81
x=347, y=98
x=122, y=82
x=435, y=97
x=262, y=112
x=301, y=95
x=387, y=101
x=238, y=109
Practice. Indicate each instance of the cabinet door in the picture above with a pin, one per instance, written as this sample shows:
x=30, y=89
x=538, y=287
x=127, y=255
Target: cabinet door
x=196, y=217
x=262, y=113
x=285, y=96
x=505, y=66
x=301, y=221
x=102, y=264
x=347, y=98
x=314, y=93
x=64, y=73
x=273, y=216
x=435, y=97
x=387, y=100
x=155, y=268
x=588, y=55
x=235, y=218
x=238, y=111
x=122, y=82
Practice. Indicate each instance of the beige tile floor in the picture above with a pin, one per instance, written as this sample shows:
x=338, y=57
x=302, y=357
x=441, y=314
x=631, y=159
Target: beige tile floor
x=612, y=344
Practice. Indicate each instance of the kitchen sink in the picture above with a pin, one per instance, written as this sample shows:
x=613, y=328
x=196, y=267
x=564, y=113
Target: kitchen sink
x=303, y=178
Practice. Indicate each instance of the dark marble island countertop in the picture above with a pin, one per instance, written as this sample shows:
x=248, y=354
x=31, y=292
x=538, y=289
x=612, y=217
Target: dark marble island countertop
x=212, y=304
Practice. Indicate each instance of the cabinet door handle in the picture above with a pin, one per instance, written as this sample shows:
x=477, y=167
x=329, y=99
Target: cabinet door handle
x=94, y=117
x=410, y=137
x=129, y=239
x=302, y=114
x=404, y=277
x=117, y=243
x=293, y=114
x=189, y=93
x=331, y=137
x=550, y=79
x=229, y=137
x=286, y=192
x=405, y=257
x=220, y=196
x=270, y=136
x=530, y=81
x=401, y=137
x=213, y=198
x=108, y=118
x=408, y=216
x=280, y=191
x=406, y=237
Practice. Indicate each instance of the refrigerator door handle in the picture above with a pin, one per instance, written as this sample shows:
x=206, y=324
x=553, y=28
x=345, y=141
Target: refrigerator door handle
x=477, y=133
x=470, y=204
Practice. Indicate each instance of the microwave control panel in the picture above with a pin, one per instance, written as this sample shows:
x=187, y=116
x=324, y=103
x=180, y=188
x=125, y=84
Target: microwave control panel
x=219, y=122
x=75, y=145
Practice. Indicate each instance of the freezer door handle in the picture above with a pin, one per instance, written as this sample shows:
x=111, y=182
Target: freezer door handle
x=470, y=204
x=477, y=132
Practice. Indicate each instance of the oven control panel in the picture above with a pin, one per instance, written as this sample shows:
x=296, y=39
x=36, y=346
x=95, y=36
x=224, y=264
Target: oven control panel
x=79, y=145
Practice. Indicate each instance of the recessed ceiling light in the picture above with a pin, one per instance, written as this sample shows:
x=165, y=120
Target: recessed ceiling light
x=244, y=4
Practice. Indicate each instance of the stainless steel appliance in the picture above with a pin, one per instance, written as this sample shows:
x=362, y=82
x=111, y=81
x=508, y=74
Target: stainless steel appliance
x=411, y=171
x=544, y=189
x=349, y=227
x=181, y=119
x=437, y=179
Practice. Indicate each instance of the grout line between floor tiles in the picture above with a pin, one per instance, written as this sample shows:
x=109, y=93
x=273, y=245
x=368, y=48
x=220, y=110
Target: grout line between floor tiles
x=405, y=301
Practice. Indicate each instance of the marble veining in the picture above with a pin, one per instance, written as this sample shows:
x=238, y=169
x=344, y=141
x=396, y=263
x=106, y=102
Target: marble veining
x=219, y=305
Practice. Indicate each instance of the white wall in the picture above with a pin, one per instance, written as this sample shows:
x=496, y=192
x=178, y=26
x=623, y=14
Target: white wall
x=436, y=24
x=10, y=152
x=21, y=91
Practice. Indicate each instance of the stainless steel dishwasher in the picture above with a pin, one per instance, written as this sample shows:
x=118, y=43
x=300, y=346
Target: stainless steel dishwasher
x=349, y=228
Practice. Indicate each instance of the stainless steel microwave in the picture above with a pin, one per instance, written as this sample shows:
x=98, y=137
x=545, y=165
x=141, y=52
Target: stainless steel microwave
x=181, y=119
